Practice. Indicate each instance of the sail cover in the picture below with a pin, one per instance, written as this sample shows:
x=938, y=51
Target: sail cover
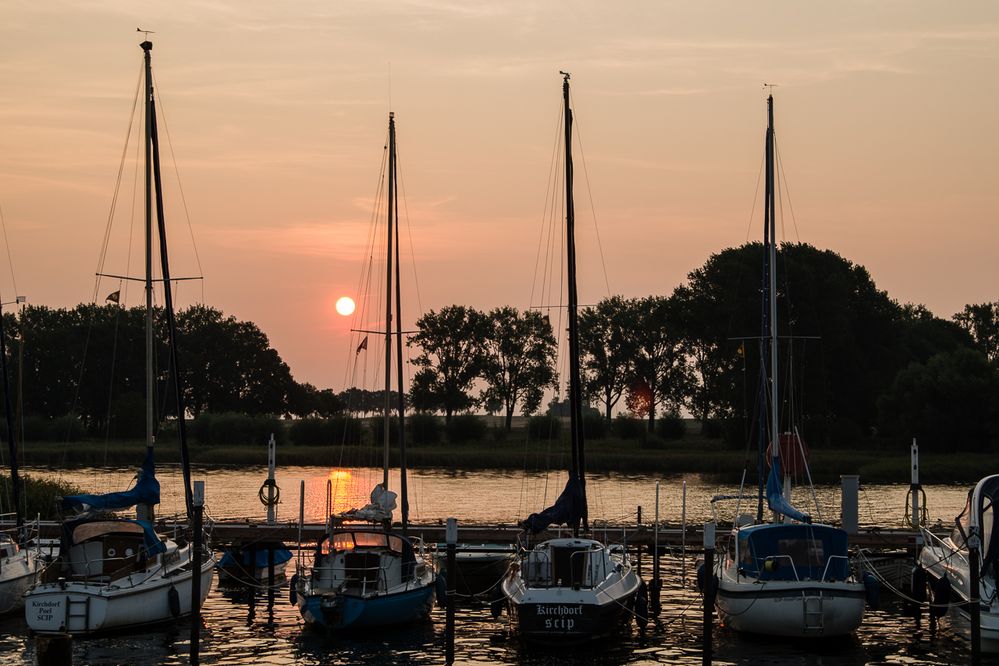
x=568, y=509
x=775, y=494
x=145, y=491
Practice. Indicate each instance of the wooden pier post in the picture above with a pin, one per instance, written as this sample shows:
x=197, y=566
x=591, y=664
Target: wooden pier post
x=452, y=575
x=974, y=597
x=709, y=588
x=198, y=502
x=657, y=583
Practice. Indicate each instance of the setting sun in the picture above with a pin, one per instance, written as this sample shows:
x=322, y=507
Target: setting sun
x=345, y=305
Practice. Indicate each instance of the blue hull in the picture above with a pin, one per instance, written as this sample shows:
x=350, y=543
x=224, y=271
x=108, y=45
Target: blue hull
x=342, y=611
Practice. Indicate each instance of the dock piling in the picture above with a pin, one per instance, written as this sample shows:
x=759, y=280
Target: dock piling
x=452, y=546
x=709, y=588
x=198, y=502
x=974, y=596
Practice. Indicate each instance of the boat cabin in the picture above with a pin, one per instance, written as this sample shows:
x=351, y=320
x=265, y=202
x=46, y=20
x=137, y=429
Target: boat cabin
x=575, y=563
x=979, y=511
x=105, y=550
x=363, y=562
x=795, y=551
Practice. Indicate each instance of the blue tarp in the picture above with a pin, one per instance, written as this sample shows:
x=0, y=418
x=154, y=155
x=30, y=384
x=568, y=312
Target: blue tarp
x=281, y=555
x=775, y=495
x=568, y=509
x=145, y=491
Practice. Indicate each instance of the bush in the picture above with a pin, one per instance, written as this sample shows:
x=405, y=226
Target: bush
x=465, y=428
x=652, y=441
x=670, y=426
x=232, y=428
x=712, y=429
x=544, y=427
x=377, y=426
x=325, y=432
x=40, y=495
x=595, y=426
x=66, y=428
x=628, y=427
x=423, y=428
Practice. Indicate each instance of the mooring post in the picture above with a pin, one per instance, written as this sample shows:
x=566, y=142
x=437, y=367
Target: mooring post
x=709, y=597
x=683, y=536
x=54, y=650
x=974, y=596
x=657, y=582
x=198, y=503
x=638, y=524
x=849, y=514
x=271, y=485
x=271, y=587
x=301, y=520
x=452, y=576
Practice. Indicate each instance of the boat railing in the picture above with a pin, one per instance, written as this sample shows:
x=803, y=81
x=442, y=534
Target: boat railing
x=588, y=566
x=829, y=561
x=774, y=558
x=365, y=583
x=538, y=570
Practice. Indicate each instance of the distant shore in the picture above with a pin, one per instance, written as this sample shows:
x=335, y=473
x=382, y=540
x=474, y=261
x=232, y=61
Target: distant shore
x=688, y=455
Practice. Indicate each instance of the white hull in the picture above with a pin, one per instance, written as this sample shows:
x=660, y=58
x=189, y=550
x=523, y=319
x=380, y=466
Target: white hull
x=791, y=609
x=79, y=607
x=944, y=560
x=17, y=574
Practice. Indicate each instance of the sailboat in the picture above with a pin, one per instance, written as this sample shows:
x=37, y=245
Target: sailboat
x=570, y=589
x=948, y=562
x=19, y=562
x=790, y=577
x=114, y=573
x=365, y=573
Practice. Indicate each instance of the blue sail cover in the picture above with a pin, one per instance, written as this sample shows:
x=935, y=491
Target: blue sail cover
x=242, y=558
x=145, y=491
x=775, y=494
x=568, y=509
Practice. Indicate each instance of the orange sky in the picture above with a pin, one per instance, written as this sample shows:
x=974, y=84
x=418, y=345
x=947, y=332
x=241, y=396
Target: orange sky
x=886, y=119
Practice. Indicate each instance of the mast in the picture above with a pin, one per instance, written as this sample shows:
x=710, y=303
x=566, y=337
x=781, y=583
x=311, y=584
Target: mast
x=145, y=511
x=388, y=302
x=15, y=479
x=772, y=263
x=575, y=392
x=154, y=148
x=394, y=203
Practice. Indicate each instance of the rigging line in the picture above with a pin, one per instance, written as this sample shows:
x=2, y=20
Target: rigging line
x=161, y=113
x=409, y=231
x=132, y=223
x=790, y=204
x=756, y=196
x=552, y=165
x=589, y=194
x=102, y=255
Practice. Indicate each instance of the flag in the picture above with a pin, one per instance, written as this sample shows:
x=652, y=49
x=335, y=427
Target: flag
x=114, y=296
x=363, y=345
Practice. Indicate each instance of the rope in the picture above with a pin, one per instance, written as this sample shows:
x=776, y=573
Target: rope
x=894, y=590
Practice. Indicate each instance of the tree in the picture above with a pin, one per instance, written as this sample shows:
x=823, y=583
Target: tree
x=518, y=361
x=450, y=361
x=607, y=350
x=982, y=322
x=660, y=373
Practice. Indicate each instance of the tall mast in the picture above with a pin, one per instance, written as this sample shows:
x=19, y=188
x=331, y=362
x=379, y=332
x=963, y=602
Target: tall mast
x=388, y=301
x=154, y=147
x=145, y=511
x=771, y=250
x=403, y=488
x=575, y=392
x=15, y=479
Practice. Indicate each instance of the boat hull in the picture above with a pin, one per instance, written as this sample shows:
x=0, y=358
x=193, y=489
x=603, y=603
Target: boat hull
x=337, y=612
x=17, y=574
x=958, y=618
x=792, y=610
x=81, y=608
x=558, y=623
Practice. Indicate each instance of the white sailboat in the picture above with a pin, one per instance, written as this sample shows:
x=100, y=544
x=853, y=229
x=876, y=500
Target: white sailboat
x=948, y=562
x=364, y=573
x=570, y=589
x=116, y=573
x=20, y=561
x=790, y=577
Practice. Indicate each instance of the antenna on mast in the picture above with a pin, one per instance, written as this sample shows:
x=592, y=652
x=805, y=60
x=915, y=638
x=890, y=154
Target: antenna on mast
x=146, y=33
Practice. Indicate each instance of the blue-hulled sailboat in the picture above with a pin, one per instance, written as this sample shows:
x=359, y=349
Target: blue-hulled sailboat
x=113, y=573
x=365, y=573
x=790, y=577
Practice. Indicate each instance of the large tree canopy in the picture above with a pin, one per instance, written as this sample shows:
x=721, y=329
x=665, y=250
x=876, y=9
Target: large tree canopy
x=608, y=350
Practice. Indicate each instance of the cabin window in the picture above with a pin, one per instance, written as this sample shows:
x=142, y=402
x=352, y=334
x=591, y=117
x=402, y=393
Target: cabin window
x=395, y=544
x=803, y=552
x=369, y=540
x=745, y=554
x=342, y=542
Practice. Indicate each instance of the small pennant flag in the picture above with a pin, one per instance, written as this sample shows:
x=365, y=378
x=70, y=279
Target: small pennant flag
x=114, y=296
x=362, y=346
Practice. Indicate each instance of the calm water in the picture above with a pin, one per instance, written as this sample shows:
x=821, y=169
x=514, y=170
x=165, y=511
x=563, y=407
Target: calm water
x=241, y=628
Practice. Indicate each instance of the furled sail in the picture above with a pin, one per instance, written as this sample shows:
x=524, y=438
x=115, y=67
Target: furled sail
x=568, y=509
x=145, y=491
x=775, y=495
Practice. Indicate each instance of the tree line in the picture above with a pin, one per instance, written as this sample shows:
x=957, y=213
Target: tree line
x=853, y=363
